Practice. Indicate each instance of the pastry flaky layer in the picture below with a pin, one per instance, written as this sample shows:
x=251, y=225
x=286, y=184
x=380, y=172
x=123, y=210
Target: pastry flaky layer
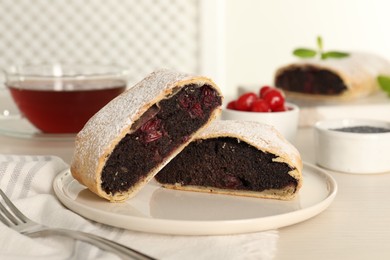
x=122, y=117
x=356, y=76
x=277, y=174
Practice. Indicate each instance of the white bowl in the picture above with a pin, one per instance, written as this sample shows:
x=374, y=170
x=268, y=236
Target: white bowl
x=349, y=152
x=285, y=122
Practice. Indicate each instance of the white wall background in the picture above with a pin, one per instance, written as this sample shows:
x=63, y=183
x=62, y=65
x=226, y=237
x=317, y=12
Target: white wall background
x=246, y=40
x=261, y=34
x=141, y=35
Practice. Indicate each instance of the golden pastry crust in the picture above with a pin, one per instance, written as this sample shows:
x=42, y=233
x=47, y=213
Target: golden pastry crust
x=96, y=141
x=358, y=73
x=266, y=139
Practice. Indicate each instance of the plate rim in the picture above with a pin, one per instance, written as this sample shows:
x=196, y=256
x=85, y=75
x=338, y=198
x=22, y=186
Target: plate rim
x=200, y=227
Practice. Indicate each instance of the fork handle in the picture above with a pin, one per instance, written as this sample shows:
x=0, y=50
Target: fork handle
x=101, y=242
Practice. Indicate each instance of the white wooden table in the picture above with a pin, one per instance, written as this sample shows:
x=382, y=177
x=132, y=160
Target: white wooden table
x=355, y=226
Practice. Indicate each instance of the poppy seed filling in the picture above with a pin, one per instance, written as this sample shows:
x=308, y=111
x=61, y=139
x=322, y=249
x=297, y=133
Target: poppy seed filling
x=310, y=80
x=162, y=129
x=226, y=163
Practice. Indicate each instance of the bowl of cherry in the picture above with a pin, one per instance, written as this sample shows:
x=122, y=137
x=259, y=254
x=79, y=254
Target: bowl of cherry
x=267, y=106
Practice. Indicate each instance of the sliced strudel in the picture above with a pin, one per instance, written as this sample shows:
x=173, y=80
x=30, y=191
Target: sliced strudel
x=129, y=140
x=238, y=158
x=332, y=79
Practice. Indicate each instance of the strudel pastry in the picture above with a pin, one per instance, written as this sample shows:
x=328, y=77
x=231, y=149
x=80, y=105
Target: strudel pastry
x=237, y=158
x=346, y=78
x=129, y=140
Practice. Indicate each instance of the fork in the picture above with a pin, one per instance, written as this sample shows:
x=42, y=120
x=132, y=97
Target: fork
x=13, y=218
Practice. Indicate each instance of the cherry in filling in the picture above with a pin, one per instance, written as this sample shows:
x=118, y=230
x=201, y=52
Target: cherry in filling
x=164, y=127
x=310, y=80
x=226, y=163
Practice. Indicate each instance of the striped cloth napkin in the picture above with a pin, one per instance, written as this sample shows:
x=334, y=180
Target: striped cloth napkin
x=27, y=180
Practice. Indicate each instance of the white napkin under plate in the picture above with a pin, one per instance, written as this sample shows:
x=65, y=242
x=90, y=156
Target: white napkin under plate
x=27, y=180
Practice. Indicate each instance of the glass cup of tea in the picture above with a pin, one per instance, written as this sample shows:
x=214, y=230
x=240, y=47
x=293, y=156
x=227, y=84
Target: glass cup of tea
x=59, y=98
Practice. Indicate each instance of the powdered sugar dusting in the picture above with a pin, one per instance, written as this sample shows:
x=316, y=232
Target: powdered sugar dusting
x=264, y=137
x=355, y=64
x=113, y=121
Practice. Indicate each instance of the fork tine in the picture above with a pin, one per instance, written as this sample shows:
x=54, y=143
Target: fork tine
x=33, y=229
x=16, y=212
x=6, y=217
x=5, y=220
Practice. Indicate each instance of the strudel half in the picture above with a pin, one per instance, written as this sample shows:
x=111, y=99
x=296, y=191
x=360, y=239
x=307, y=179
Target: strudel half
x=237, y=158
x=332, y=79
x=129, y=140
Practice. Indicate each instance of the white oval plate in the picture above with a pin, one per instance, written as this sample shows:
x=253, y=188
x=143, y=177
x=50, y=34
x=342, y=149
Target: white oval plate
x=158, y=210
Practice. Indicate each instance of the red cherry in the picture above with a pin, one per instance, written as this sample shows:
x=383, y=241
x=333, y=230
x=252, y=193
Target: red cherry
x=260, y=105
x=282, y=108
x=196, y=111
x=231, y=105
x=244, y=102
x=152, y=125
x=274, y=98
x=152, y=130
x=263, y=90
x=208, y=96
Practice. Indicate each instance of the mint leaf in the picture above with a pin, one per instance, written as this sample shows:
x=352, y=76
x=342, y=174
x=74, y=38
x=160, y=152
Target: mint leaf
x=304, y=53
x=334, y=54
x=319, y=43
x=310, y=53
x=384, y=82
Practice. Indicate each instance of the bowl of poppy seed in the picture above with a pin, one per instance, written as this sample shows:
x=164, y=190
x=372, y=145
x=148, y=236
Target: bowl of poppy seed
x=358, y=146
